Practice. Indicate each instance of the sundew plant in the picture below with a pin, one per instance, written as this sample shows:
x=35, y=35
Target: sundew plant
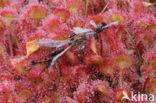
x=77, y=51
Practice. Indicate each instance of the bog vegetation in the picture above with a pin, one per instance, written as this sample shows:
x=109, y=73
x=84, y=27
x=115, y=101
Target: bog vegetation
x=76, y=51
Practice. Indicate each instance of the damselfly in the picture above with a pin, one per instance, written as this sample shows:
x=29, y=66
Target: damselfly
x=59, y=44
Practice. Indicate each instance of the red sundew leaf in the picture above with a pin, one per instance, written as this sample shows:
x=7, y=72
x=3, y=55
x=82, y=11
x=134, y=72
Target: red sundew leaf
x=24, y=94
x=93, y=59
x=4, y=3
x=98, y=19
x=4, y=78
x=37, y=11
x=56, y=3
x=107, y=69
x=3, y=98
x=122, y=34
x=150, y=86
x=19, y=64
x=9, y=96
x=82, y=93
x=74, y=6
x=56, y=97
x=145, y=23
x=66, y=71
x=117, y=17
x=152, y=28
x=27, y=27
x=3, y=52
x=53, y=24
x=36, y=81
x=148, y=70
x=150, y=59
x=46, y=99
x=123, y=5
x=112, y=40
x=2, y=27
x=79, y=23
x=149, y=63
x=33, y=1
x=103, y=88
x=105, y=92
x=146, y=39
x=68, y=100
x=16, y=5
x=31, y=18
x=123, y=61
x=79, y=72
x=95, y=6
x=93, y=45
x=71, y=57
x=120, y=93
x=138, y=6
x=7, y=14
x=7, y=92
x=63, y=14
x=73, y=74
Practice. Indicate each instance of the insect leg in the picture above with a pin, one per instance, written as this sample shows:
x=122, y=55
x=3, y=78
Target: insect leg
x=59, y=55
x=41, y=61
x=54, y=53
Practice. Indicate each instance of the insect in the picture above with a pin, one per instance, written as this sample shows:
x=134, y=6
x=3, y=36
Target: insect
x=72, y=41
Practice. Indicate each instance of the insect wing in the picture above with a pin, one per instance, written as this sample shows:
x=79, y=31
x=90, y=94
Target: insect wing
x=78, y=30
x=52, y=43
x=111, y=24
x=93, y=24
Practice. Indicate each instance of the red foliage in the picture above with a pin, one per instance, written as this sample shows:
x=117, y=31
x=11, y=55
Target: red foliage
x=117, y=61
